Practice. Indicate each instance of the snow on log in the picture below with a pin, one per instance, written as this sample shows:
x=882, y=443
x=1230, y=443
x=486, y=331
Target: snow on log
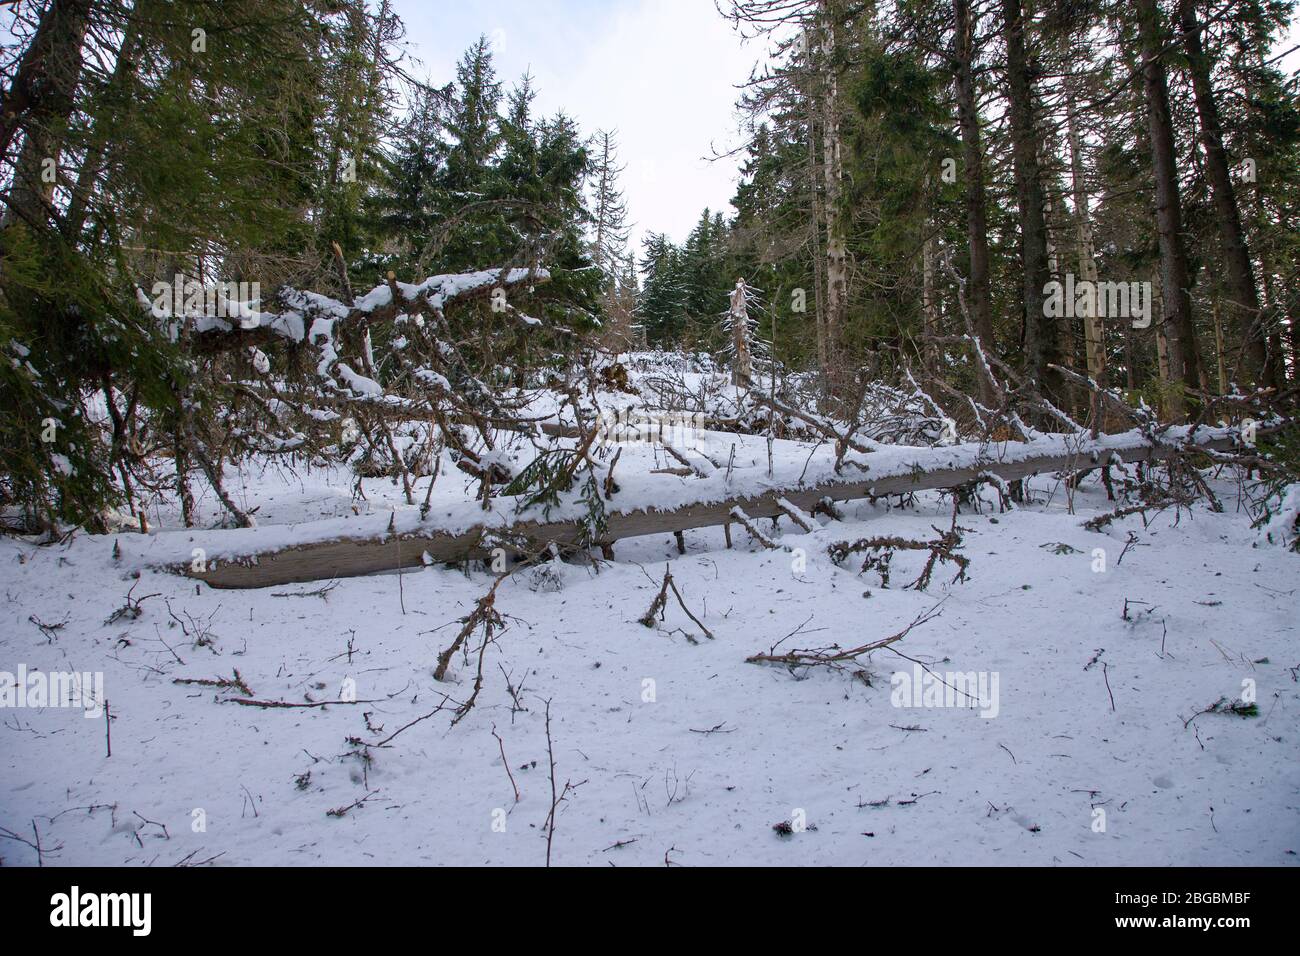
x=348, y=548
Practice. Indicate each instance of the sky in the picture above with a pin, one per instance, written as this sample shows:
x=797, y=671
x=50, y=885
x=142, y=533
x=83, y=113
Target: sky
x=662, y=73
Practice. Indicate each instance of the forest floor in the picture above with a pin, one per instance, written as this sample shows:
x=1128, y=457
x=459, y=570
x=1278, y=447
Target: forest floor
x=1087, y=749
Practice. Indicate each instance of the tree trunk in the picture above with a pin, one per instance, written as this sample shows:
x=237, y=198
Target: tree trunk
x=929, y=307
x=833, y=171
x=818, y=221
x=1093, y=325
x=39, y=102
x=370, y=549
x=1176, y=300
x=1218, y=342
x=742, y=369
x=1040, y=331
x=1244, y=296
x=979, y=297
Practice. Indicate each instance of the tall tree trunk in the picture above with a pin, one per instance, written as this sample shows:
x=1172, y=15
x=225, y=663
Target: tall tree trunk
x=1162, y=340
x=1176, y=300
x=40, y=102
x=818, y=222
x=1218, y=341
x=929, y=306
x=1093, y=326
x=1244, y=296
x=810, y=99
x=833, y=171
x=1040, y=331
x=1294, y=336
x=742, y=368
x=980, y=298
x=35, y=90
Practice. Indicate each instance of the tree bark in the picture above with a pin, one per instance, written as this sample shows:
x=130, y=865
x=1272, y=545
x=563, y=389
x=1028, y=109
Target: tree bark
x=929, y=308
x=1176, y=301
x=978, y=293
x=818, y=222
x=1040, y=331
x=368, y=551
x=833, y=172
x=40, y=102
x=1093, y=326
x=1244, y=296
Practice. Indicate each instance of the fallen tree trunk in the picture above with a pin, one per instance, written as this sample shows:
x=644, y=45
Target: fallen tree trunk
x=353, y=555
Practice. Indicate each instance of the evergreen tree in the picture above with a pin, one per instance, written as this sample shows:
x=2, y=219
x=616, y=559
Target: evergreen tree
x=661, y=306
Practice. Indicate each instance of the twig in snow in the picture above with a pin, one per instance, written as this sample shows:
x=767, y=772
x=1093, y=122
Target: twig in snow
x=1224, y=706
x=354, y=805
x=131, y=609
x=221, y=682
x=556, y=799
x=835, y=656
x=437, y=710
x=747, y=523
x=715, y=729
x=273, y=704
x=880, y=552
x=188, y=859
x=484, y=613
x=154, y=823
x=50, y=630
x=506, y=763
x=655, y=612
x=34, y=843
x=322, y=593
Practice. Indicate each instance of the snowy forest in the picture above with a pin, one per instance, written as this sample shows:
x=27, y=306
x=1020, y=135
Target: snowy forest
x=381, y=484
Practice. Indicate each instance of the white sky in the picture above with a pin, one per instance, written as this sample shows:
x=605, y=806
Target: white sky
x=663, y=73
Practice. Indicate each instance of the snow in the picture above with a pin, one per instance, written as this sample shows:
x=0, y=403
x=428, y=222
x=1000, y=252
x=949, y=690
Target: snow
x=358, y=382
x=324, y=311
x=1280, y=529
x=680, y=748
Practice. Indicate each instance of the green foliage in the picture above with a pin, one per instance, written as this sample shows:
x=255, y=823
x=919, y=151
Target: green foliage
x=543, y=479
x=1280, y=487
x=470, y=187
x=65, y=332
x=247, y=160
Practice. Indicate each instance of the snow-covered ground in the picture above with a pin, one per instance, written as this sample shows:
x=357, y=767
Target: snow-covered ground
x=677, y=750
